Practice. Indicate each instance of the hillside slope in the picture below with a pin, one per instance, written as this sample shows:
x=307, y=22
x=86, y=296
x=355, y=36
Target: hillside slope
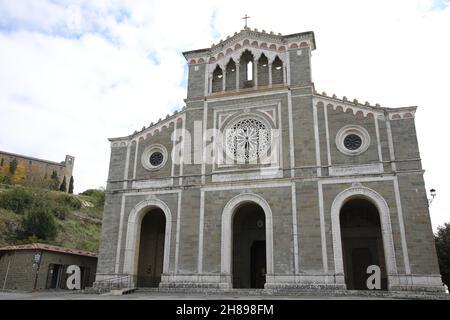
x=34, y=215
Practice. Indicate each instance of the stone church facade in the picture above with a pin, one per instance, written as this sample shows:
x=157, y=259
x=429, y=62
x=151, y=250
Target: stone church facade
x=261, y=182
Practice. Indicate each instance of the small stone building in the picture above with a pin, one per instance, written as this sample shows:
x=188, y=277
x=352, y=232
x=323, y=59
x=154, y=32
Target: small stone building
x=33, y=170
x=262, y=182
x=41, y=266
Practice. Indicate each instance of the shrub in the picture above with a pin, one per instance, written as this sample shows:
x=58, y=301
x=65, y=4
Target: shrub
x=442, y=240
x=97, y=195
x=59, y=211
x=41, y=223
x=17, y=200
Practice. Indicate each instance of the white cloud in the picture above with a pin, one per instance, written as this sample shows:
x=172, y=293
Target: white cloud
x=73, y=73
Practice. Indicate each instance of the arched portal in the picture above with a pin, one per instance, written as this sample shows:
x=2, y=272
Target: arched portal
x=151, y=249
x=147, y=209
x=249, y=247
x=236, y=208
x=360, y=192
x=362, y=243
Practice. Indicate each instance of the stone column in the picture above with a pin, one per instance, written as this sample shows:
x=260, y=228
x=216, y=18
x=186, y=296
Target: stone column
x=210, y=80
x=255, y=68
x=237, y=75
x=270, y=73
x=224, y=79
x=284, y=74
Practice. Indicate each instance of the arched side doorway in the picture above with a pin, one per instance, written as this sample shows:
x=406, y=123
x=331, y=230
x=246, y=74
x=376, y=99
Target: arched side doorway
x=148, y=221
x=373, y=218
x=362, y=243
x=151, y=249
x=244, y=208
x=249, y=247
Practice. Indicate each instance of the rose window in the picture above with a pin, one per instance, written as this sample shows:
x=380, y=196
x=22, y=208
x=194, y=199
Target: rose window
x=247, y=140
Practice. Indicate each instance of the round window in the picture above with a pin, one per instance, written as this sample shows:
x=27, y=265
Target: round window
x=156, y=159
x=247, y=140
x=352, y=142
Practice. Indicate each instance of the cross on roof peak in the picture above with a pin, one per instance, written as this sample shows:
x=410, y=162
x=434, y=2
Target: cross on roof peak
x=246, y=18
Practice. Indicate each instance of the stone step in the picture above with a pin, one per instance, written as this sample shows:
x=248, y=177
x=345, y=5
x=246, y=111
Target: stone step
x=299, y=293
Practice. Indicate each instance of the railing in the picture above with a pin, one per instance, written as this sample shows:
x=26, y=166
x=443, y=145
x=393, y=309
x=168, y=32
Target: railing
x=116, y=282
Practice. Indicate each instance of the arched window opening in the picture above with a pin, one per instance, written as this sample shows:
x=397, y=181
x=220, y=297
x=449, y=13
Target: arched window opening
x=231, y=76
x=249, y=71
x=263, y=71
x=277, y=71
x=246, y=72
x=217, y=81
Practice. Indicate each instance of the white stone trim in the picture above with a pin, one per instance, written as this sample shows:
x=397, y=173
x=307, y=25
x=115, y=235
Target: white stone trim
x=374, y=168
x=250, y=94
x=135, y=158
x=127, y=166
x=224, y=187
x=145, y=158
x=183, y=137
x=377, y=132
x=200, y=233
x=327, y=135
x=119, y=237
x=257, y=174
x=227, y=233
x=402, y=227
x=291, y=134
x=323, y=235
x=352, y=129
x=205, y=122
x=386, y=229
x=391, y=144
x=317, y=141
x=177, y=239
x=134, y=231
x=295, y=228
x=152, y=183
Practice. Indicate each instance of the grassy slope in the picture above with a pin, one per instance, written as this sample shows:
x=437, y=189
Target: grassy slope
x=80, y=229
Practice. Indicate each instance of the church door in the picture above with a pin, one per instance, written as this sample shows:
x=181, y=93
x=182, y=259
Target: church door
x=362, y=243
x=151, y=249
x=258, y=264
x=249, y=247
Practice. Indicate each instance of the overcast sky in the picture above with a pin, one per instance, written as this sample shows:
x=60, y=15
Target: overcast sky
x=74, y=73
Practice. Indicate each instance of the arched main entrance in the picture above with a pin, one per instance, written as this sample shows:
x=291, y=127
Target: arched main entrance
x=249, y=246
x=236, y=208
x=151, y=249
x=362, y=243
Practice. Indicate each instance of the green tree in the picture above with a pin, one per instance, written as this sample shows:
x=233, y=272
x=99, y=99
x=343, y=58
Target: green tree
x=71, y=185
x=63, y=186
x=54, y=181
x=442, y=240
x=13, y=166
x=41, y=223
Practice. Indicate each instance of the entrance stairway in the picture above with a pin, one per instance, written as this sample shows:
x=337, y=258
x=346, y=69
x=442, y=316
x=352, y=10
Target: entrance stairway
x=292, y=294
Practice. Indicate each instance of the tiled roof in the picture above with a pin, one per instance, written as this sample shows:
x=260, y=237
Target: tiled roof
x=47, y=247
